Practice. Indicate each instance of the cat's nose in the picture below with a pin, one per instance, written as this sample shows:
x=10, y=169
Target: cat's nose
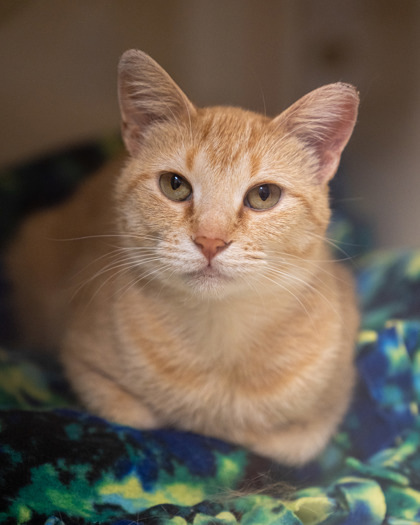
x=210, y=247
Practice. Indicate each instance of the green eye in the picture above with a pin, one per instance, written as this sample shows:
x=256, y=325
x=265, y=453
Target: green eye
x=175, y=187
x=263, y=197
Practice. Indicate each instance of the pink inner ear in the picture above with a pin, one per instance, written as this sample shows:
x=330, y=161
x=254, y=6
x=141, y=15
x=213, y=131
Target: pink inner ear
x=328, y=165
x=334, y=128
x=331, y=146
x=324, y=120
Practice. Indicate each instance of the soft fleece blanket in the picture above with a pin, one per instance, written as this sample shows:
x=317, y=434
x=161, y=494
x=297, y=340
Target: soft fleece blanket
x=62, y=466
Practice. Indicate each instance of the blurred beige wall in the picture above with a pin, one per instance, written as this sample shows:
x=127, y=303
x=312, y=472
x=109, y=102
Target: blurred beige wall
x=58, y=76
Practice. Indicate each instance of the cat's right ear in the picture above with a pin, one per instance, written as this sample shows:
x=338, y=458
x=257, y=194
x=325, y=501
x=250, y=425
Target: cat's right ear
x=147, y=94
x=323, y=120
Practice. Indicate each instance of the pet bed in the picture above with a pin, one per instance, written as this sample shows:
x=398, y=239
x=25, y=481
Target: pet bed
x=62, y=466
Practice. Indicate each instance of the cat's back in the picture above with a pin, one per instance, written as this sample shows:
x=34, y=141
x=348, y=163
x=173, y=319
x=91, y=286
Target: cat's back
x=50, y=248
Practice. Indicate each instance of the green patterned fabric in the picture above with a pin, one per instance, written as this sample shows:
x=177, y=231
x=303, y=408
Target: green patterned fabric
x=62, y=466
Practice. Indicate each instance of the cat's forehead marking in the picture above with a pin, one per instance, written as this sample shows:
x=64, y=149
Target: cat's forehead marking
x=229, y=137
x=255, y=164
x=189, y=157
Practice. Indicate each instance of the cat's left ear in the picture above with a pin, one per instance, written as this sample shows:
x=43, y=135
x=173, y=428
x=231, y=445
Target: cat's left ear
x=147, y=94
x=323, y=120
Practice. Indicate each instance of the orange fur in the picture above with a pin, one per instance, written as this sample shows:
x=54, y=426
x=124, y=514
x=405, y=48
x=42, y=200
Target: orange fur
x=156, y=325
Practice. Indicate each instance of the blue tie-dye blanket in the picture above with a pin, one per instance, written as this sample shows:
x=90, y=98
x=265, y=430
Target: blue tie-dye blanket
x=62, y=466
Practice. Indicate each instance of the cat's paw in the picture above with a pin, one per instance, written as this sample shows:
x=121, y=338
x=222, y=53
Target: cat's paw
x=296, y=444
x=103, y=396
x=129, y=411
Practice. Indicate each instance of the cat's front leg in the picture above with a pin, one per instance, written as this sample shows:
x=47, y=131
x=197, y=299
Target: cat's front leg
x=103, y=396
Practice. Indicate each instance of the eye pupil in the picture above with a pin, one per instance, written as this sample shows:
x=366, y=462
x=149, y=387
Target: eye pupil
x=263, y=197
x=176, y=182
x=174, y=186
x=264, y=192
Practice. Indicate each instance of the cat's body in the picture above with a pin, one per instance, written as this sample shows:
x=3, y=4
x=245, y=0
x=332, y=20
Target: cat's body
x=202, y=295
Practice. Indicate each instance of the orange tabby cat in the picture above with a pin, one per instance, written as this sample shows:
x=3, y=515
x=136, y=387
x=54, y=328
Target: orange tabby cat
x=198, y=290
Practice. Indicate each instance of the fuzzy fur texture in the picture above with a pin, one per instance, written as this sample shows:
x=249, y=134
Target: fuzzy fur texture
x=204, y=314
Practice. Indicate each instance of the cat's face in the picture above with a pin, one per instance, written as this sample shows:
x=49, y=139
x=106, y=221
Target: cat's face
x=220, y=200
x=225, y=175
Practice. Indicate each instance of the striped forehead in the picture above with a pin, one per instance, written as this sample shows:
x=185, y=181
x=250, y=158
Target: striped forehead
x=227, y=143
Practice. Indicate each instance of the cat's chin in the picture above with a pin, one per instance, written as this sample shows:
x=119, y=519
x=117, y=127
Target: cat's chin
x=209, y=282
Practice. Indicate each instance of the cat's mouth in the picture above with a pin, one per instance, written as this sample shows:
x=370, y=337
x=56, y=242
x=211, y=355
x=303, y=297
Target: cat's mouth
x=208, y=272
x=208, y=279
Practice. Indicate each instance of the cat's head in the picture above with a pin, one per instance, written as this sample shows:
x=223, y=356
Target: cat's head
x=220, y=199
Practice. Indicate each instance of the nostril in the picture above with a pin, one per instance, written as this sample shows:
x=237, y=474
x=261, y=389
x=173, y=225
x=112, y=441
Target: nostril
x=210, y=247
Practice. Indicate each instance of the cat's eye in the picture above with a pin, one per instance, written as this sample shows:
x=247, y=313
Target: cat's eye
x=263, y=197
x=174, y=186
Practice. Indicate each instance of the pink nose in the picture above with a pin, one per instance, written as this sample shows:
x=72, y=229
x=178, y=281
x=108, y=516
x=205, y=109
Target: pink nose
x=210, y=247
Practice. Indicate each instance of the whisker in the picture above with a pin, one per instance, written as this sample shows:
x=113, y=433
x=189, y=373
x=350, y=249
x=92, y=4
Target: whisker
x=305, y=259
x=305, y=283
x=121, y=271
x=316, y=263
x=332, y=243
x=289, y=292
x=116, y=266
x=119, y=235
x=112, y=254
x=133, y=282
x=313, y=263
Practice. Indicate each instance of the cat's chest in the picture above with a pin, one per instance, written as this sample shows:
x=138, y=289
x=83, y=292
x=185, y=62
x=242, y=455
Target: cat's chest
x=196, y=386
x=180, y=349
x=229, y=369
x=190, y=330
